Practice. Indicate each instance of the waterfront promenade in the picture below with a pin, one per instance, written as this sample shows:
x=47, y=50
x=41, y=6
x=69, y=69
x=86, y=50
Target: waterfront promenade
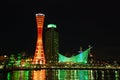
x=82, y=67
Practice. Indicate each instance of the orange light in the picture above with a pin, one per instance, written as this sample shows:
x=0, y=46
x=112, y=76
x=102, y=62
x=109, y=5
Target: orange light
x=39, y=52
x=39, y=75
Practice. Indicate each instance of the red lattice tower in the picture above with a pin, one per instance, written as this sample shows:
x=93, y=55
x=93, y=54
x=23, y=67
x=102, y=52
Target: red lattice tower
x=39, y=57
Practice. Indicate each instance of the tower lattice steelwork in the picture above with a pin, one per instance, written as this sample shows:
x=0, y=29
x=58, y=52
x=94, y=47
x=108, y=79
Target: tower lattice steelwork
x=39, y=57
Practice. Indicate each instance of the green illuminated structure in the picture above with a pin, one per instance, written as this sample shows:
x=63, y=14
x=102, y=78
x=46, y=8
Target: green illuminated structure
x=11, y=61
x=82, y=57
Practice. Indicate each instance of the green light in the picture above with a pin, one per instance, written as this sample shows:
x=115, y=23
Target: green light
x=8, y=76
x=18, y=75
x=73, y=75
x=82, y=57
x=51, y=26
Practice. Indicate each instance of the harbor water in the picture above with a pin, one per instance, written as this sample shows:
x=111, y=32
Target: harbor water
x=56, y=74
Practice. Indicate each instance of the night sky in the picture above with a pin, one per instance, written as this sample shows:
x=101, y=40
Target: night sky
x=80, y=23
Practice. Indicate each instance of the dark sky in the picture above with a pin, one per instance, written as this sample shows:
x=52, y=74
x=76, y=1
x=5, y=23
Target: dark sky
x=80, y=23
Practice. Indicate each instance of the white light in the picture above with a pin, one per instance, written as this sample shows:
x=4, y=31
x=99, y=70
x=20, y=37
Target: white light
x=40, y=14
x=51, y=26
x=5, y=56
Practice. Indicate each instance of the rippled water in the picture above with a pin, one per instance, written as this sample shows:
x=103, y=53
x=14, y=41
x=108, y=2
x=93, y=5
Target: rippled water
x=60, y=75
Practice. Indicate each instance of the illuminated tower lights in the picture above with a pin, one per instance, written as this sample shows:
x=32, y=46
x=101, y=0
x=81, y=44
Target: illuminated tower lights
x=39, y=51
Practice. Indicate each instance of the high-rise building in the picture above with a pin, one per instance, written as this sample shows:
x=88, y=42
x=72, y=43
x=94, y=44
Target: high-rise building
x=51, y=44
x=39, y=51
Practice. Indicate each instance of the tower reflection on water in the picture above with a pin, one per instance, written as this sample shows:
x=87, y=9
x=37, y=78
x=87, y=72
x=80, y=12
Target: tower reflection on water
x=27, y=75
x=48, y=75
x=64, y=75
x=38, y=75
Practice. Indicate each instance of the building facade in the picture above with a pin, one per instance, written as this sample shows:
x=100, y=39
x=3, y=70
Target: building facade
x=51, y=44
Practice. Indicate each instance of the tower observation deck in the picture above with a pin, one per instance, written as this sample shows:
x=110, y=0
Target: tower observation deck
x=39, y=51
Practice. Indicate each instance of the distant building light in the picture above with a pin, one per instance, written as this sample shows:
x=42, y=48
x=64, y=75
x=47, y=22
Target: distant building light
x=5, y=56
x=51, y=26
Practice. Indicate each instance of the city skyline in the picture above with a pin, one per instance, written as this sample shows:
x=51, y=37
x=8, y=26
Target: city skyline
x=78, y=23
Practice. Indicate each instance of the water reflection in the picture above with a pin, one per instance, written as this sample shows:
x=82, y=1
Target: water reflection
x=18, y=75
x=38, y=75
x=73, y=74
x=117, y=75
x=52, y=75
x=64, y=75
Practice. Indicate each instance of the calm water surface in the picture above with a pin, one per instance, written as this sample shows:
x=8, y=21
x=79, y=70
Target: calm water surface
x=61, y=75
